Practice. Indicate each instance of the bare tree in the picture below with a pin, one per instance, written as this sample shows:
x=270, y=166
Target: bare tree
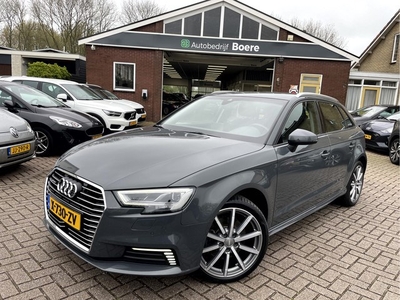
x=9, y=18
x=65, y=21
x=136, y=10
x=325, y=32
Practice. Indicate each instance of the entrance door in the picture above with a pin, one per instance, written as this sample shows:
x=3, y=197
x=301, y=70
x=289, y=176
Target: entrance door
x=370, y=96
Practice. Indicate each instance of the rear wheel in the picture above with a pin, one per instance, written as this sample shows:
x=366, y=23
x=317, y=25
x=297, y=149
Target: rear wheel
x=394, y=151
x=44, y=142
x=236, y=241
x=354, y=186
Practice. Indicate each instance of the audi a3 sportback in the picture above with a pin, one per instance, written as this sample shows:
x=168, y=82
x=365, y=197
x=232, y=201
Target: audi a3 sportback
x=205, y=187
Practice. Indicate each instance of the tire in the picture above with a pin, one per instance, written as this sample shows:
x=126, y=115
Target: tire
x=231, y=254
x=165, y=111
x=394, y=151
x=44, y=142
x=354, y=186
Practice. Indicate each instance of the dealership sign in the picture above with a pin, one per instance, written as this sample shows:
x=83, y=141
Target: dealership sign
x=169, y=42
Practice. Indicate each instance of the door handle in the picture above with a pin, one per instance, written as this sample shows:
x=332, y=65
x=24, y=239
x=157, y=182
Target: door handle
x=325, y=154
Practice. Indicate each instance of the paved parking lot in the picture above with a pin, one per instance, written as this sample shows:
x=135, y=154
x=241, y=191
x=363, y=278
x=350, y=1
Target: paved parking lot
x=337, y=253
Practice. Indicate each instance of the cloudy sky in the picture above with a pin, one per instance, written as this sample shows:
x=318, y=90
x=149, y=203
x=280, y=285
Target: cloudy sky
x=357, y=21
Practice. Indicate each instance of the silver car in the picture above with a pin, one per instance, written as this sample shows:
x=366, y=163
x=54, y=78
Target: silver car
x=17, y=140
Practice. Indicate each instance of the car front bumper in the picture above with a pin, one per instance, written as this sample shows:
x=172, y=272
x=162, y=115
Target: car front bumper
x=122, y=240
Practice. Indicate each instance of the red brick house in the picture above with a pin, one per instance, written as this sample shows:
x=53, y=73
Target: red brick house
x=213, y=45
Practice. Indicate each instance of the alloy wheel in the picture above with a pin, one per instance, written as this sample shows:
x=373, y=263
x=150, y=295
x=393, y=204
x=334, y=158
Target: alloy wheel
x=43, y=142
x=394, y=151
x=234, y=244
x=356, y=184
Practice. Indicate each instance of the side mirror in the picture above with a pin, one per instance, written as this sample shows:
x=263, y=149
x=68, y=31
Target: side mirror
x=62, y=97
x=10, y=105
x=301, y=137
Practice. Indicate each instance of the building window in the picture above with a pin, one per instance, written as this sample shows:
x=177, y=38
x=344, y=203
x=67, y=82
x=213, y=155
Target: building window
x=231, y=24
x=396, y=46
x=212, y=22
x=124, y=76
x=311, y=83
x=193, y=25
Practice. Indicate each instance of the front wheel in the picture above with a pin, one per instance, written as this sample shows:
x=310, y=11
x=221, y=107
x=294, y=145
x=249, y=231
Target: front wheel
x=394, y=151
x=354, y=186
x=236, y=242
x=44, y=142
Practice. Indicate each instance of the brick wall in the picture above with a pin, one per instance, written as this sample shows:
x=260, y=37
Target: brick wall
x=335, y=75
x=99, y=70
x=380, y=58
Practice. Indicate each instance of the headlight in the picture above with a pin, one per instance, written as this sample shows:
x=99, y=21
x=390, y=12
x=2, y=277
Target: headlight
x=112, y=113
x=28, y=127
x=388, y=130
x=65, y=122
x=157, y=200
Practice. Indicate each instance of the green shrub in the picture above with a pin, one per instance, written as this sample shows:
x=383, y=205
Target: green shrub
x=41, y=69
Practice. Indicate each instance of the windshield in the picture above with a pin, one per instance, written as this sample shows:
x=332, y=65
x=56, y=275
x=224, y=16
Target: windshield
x=81, y=92
x=33, y=96
x=231, y=116
x=395, y=116
x=367, y=111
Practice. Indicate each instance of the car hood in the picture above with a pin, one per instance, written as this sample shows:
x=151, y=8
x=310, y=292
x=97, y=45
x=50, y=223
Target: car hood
x=70, y=114
x=126, y=102
x=11, y=120
x=149, y=157
x=377, y=125
x=113, y=105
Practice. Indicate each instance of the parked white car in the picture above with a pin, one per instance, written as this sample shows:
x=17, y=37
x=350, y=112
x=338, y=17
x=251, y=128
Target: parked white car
x=115, y=116
x=106, y=94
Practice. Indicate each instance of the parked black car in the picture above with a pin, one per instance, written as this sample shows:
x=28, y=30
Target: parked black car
x=171, y=102
x=394, y=146
x=373, y=112
x=377, y=132
x=57, y=127
x=207, y=186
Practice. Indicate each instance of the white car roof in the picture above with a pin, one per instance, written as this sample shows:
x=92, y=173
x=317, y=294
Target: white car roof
x=51, y=80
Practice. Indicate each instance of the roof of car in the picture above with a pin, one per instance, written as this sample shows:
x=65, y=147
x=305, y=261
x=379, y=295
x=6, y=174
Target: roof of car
x=52, y=80
x=282, y=96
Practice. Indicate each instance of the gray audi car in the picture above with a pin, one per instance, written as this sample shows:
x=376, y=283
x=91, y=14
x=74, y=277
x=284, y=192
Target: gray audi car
x=206, y=187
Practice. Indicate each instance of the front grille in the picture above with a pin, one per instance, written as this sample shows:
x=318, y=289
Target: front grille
x=130, y=115
x=151, y=256
x=89, y=202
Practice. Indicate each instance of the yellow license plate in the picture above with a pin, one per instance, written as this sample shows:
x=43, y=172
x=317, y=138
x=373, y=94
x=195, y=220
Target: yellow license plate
x=18, y=149
x=143, y=116
x=132, y=123
x=96, y=136
x=64, y=213
x=367, y=137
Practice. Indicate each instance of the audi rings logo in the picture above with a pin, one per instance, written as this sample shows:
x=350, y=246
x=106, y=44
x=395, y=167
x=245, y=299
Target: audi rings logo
x=68, y=187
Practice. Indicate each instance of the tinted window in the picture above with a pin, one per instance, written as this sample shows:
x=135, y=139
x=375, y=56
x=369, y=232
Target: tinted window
x=31, y=83
x=268, y=33
x=331, y=117
x=193, y=25
x=212, y=20
x=174, y=27
x=250, y=28
x=231, y=24
x=303, y=116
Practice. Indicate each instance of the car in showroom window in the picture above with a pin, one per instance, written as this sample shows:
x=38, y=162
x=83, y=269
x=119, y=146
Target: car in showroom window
x=233, y=168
